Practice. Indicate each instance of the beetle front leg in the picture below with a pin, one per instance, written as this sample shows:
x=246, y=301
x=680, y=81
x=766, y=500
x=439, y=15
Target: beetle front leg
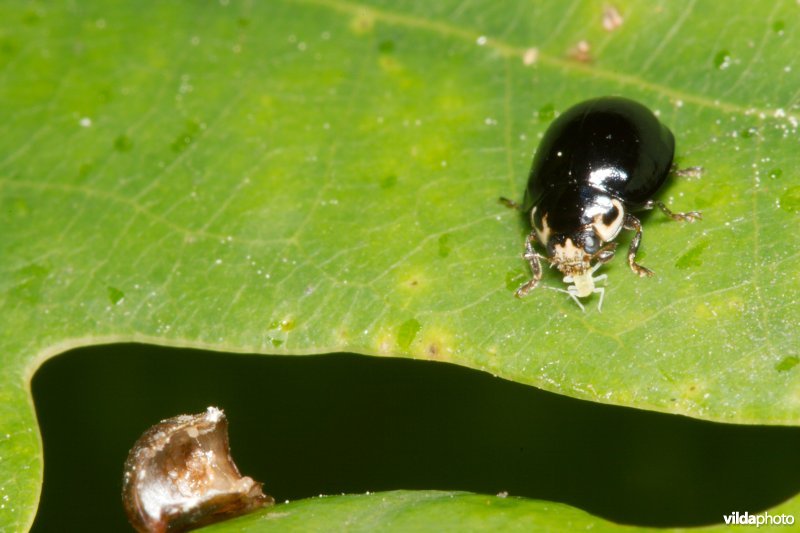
x=687, y=172
x=533, y=259
x=632, y=223
x=689, y=216
x=606, y=253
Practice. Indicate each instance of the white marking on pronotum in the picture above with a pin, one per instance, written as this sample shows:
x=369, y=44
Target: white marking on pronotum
x=543, y=233
x=609, y=232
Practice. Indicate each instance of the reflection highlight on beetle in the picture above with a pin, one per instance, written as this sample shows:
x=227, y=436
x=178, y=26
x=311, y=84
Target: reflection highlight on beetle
x=598, y=162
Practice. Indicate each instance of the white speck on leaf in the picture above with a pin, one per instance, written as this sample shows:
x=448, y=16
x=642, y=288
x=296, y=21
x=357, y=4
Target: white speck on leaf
x=531, y=56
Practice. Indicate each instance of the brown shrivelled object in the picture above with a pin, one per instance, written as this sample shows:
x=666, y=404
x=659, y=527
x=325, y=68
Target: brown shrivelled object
x=180, y=475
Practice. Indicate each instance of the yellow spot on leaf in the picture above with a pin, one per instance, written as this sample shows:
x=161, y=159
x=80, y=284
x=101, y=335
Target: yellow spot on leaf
x=363, y=22
x=435, y=343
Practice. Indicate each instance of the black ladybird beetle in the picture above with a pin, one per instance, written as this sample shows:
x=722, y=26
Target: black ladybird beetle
x=598, y=161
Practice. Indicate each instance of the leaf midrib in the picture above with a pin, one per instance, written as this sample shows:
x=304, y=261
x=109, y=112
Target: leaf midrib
x=508, y=50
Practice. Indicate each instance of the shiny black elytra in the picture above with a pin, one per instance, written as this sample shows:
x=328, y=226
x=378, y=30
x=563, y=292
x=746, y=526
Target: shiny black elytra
x=597, y=162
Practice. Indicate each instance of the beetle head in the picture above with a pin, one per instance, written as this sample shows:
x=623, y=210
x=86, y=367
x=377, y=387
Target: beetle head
x=572, y=253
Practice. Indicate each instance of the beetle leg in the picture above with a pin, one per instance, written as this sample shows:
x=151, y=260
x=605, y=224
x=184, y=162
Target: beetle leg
x=688, y=172
x=511, y=204
x=632, y=223
x=533, y=258
x=605, y=254
x=689, y=216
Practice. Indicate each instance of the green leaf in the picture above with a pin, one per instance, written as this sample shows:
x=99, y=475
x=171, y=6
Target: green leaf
x=415, y=511
x=435, y=511
x=314, y=176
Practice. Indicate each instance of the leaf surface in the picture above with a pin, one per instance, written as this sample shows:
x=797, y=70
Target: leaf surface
x=315, y=176
x=434, y=511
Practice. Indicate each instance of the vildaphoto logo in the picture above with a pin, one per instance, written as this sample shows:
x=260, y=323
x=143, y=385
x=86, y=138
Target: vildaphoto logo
x=761, y=519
